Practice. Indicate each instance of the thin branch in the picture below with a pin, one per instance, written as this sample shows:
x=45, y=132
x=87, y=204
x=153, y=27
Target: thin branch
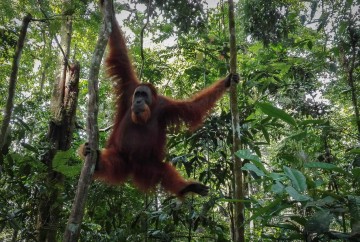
x=107, y=128
x=142, y=39
x=56, y=39
x=13, y=79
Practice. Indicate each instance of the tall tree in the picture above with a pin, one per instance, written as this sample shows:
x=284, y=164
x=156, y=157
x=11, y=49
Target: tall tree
x=12, y=83
x=72, y=231
x=61, y=126
x=239, y=213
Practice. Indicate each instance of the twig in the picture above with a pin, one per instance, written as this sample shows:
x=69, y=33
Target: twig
x=142, y=39
x=56, y=39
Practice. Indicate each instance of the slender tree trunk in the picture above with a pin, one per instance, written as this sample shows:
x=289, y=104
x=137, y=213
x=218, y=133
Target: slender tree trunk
x=348, y=61
x=354, y=96
x=239, y=217
x=4, y=131
x=45, y=67
x=72, y=230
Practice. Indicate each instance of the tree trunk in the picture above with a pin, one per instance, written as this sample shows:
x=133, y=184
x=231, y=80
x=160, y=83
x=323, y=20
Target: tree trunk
x=348, y=60
x=57, y=99
x=72, y=230
x=354, y=207
x=63, y=108
x=351, y=82
x=60, y=137
x=239, y=217
x=4, y=132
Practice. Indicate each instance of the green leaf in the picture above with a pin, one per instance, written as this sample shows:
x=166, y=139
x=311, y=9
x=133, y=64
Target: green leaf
x=247, y=155
x=284, y=226
x=333, y=67
x=356, y=173
x=298, y=136
x=319, y=222
x=324, y=202
x=282, y=66
x=277, y=176
x=296, y=195
x=275, y=112
x=23, y=124
x=277, y=188
x=66, y=163
x=273, y=207
x=322, y=165
x=310, y=44
x=354, y=209
x=313, y=9
x=312, y=121
x=325, y=166
x=298, y=219
x=355, y=151
x=234, y=200
x=298, y=180
x=252, y=167
x=29, y=147
x=349, y=3
x=266, y=134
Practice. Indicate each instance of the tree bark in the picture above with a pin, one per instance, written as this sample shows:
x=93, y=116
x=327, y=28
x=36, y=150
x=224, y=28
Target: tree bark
x=57, y=100
x=12, y=83
x=72, y=230
x=239, y=217
x=354, y=207
x=60, y=136
x=354, y=97
x=63, y=108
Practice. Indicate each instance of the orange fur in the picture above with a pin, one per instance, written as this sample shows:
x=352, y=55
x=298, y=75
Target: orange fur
x=143, y=118
x=136, y=146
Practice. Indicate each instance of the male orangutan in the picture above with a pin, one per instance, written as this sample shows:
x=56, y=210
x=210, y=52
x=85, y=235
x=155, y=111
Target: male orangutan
x=136, y=147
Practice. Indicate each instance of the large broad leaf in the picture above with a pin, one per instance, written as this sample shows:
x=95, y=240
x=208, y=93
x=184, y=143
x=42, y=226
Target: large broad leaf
x=319, y=222
x=67, y=163
x=273, y=207
x=247, y=155
x=296, y=195
x=299, y=219
x=354, y=208
x=355, y=151
x=252, y=167
x=356, y=173
x=298, y=180
x=277, y=188
x=277, y=176
x=324, y=202
x=275, y=112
